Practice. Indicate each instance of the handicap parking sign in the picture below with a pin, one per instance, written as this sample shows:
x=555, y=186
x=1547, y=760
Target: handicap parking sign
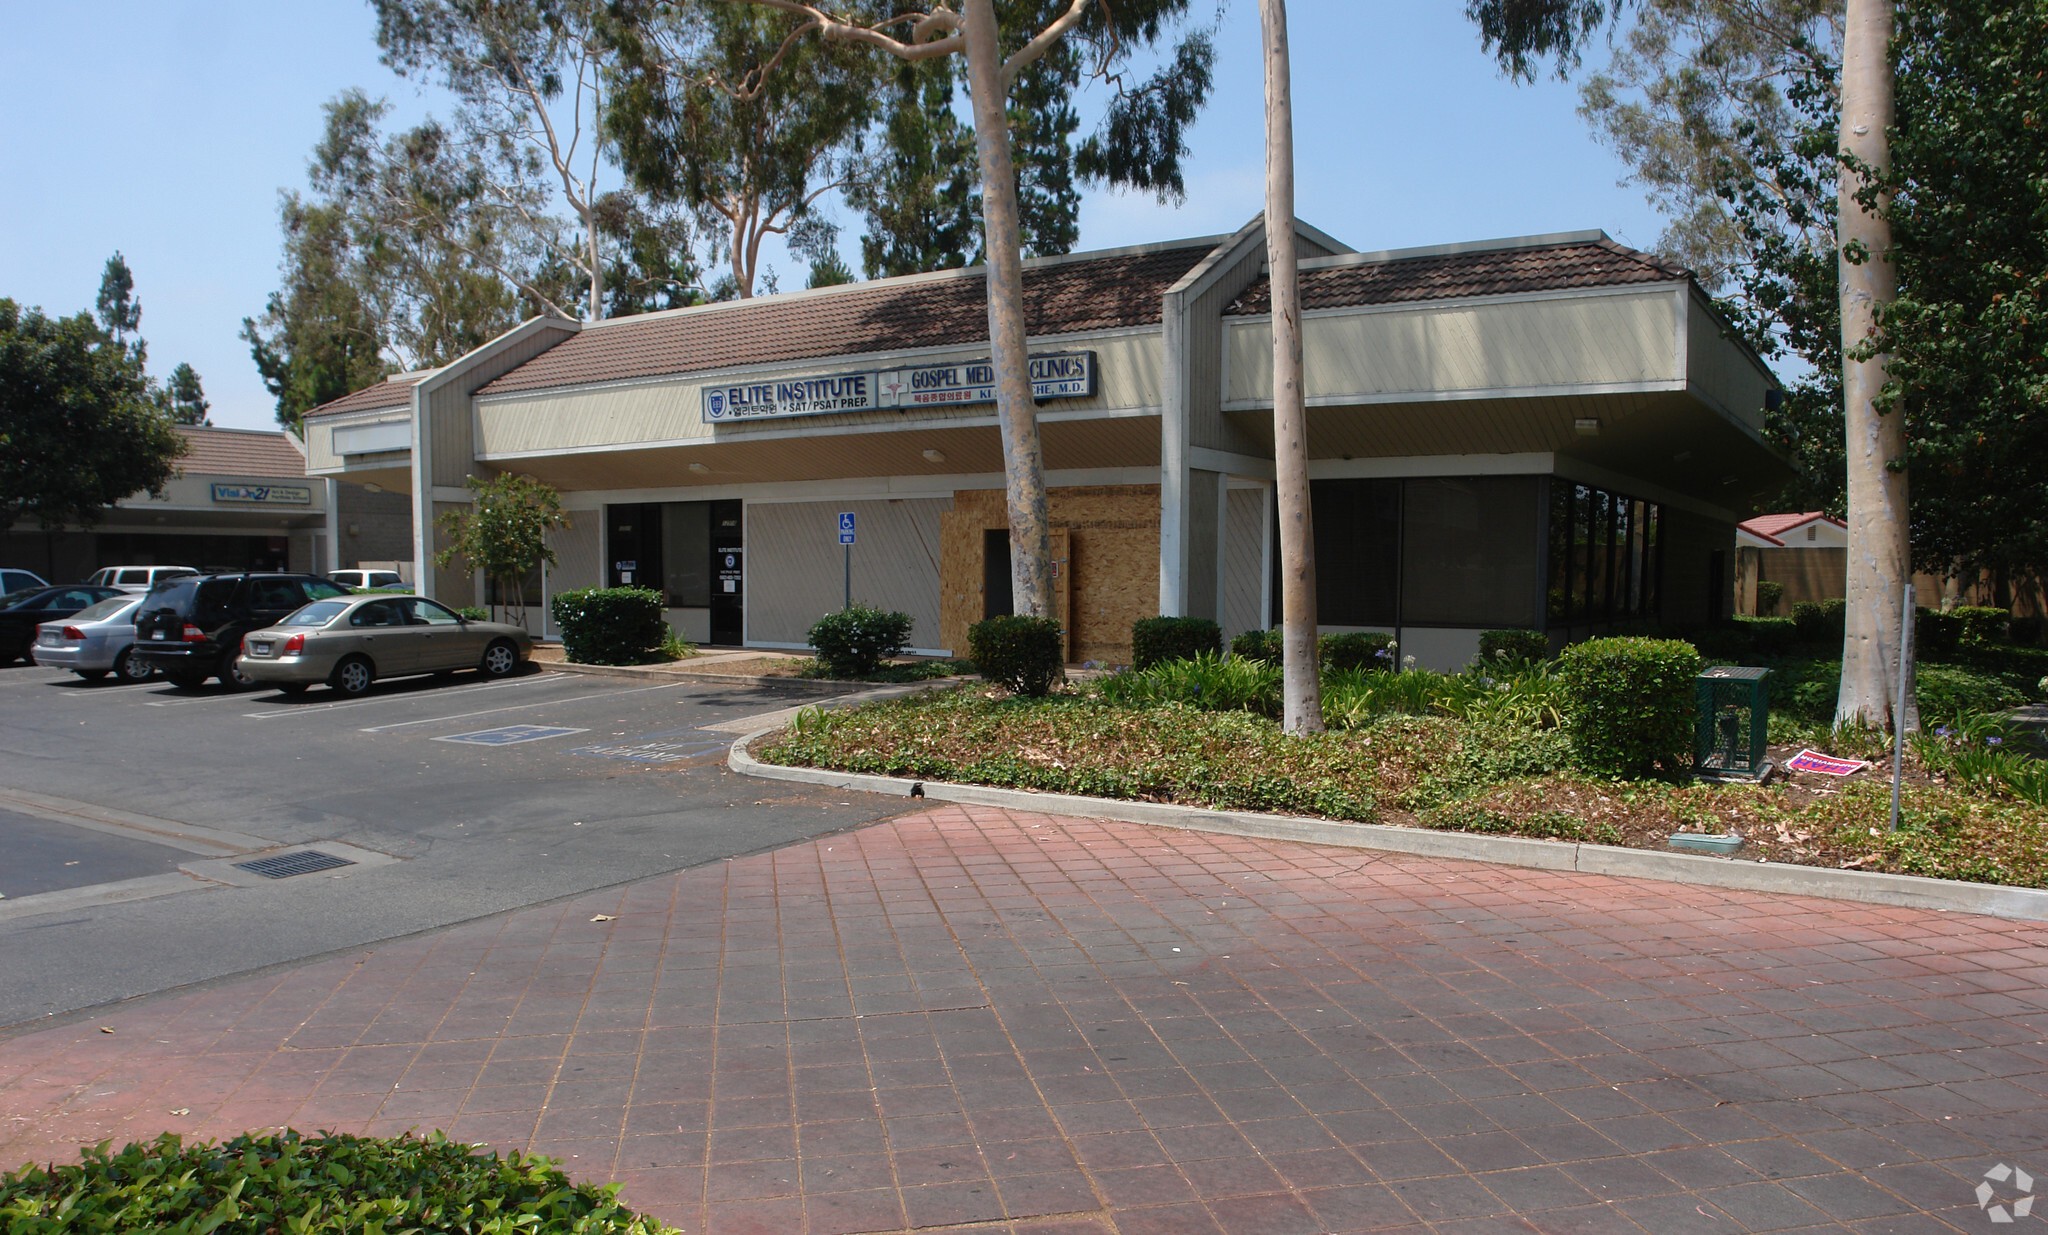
x=845, y=527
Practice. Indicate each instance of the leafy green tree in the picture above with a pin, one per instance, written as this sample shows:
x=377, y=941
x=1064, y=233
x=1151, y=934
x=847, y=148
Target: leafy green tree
x=919, y=191
x=79, y=429
x=120, y=313
x=503, y=533
x=188, y=404
x=318, y=338
x=697, y=121
x=830, y=270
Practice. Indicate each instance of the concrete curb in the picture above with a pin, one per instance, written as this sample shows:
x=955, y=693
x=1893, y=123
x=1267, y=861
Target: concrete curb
x=1869, y=887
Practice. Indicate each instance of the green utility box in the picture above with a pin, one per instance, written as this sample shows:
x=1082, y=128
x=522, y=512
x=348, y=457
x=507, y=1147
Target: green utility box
x=1734, y=723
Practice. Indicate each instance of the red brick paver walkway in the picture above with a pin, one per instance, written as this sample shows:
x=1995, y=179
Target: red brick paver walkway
x=971, y=1016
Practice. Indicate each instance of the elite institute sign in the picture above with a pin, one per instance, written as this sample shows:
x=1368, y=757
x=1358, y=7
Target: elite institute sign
x=1063, y=375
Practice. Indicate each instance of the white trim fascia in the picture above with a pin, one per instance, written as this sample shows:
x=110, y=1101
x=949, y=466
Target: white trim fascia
x=1581, y=472
x=873, y=488
x=1355, y=258
x=1248, y=467
x=355, y=415
x=1228, y=252
x=1460, y=302
x=192, y=529
x=386, y=460
x=1527, y=463
x=1323, y=238
x=1659, y=386
x=469, y=360
x=851, y=362
x=765, y=435
x=1681, y=358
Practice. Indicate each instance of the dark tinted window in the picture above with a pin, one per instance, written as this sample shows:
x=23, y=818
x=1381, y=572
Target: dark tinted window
x=378, y=613
x=274, y=593
x=1469, y=552
x=176, y=596
x=1357, y=527
x=213, y=599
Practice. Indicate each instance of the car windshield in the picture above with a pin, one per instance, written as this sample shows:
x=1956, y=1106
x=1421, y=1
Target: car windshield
x=112, y=606
x=319, y=613
x=27, y=600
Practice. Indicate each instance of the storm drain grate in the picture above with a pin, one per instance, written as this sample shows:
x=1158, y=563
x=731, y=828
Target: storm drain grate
x=285, y=865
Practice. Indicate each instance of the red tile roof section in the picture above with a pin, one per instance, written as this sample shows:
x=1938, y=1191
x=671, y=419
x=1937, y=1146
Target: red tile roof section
x=1486, y=272
x=393, y=392
x=1775, y=526
x=239, y=452
x=1059, y=298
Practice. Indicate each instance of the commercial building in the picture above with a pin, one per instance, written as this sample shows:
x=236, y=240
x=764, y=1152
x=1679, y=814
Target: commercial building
x=1553, y=432
x=241, y=501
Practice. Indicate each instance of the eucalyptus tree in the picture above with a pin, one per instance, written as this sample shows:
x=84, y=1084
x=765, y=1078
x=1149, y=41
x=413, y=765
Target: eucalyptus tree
x=531, y=78
x=1141, y=144
x=697, y=121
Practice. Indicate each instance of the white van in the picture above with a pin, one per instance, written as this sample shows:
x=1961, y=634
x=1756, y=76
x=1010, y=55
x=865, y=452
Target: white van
x=138, y=579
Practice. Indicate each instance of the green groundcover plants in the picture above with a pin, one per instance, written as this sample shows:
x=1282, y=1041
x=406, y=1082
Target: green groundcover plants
x=289, y=1183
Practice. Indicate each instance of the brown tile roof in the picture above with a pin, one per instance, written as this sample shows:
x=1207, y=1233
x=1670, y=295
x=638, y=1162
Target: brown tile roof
x=1484, y=272
x=394, y=391
x=1115, y=290
x=239, y=452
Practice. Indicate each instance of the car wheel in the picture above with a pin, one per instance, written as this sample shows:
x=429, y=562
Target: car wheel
x=232, y=676
x=293, y=689
x=187, y=681
x=129, y=669
x=90, y=675
x=500, y=659
x=353, y=676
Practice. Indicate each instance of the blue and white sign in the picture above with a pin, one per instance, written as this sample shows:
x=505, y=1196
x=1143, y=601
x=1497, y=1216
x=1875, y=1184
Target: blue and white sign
x=845, y=527
x=264, y=495
x=1060, y=375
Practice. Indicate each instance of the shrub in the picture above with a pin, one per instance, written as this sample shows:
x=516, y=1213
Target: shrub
x=1945, y=690
x=1629, y=703
x=2025, y=630
x=1158, y=639
x=1983, y=624
x=1769, y=596
x=1820, y=621
x=1263, y=645
x=473, y=613
x=1022, y=653
x=1936, y=633
x=325, y=1183
x=1770, y=636
x=1731, y=642
x=1513, y=646
x=853, y=643
x=1206, y=681
x=609, y=626
x=1358, y=649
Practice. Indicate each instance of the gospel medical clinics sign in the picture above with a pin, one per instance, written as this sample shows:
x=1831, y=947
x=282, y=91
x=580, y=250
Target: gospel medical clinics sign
x=1065, y=375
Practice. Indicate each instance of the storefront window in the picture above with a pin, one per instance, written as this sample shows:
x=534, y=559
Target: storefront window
x=1559, y=606
x=1469, y=552
x=686, y=553
x=1358, y=551
x=1603, y=559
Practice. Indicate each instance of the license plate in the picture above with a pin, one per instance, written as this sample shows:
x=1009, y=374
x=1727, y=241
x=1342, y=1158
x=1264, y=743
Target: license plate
x=260, y=649
x=48, y=639
x=156, y=634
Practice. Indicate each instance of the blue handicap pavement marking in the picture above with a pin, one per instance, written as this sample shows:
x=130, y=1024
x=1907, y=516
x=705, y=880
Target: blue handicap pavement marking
x=506, y=735
x=667, y=747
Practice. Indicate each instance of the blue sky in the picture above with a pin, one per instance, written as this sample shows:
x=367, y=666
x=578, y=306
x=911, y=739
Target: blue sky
x=166, y=130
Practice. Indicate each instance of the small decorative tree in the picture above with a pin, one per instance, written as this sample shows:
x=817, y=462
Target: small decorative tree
x=504, y=533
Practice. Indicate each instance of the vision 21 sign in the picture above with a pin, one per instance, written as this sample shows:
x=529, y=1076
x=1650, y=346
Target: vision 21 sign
x=1062, y=375
x=264, y=495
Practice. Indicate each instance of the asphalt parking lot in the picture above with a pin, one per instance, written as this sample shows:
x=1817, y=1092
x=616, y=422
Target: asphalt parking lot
x=124, y=810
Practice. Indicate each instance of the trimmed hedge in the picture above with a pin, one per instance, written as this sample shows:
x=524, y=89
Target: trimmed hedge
x=1821, y=621
x=1768, y=597
x=1358, y=649
x=329, y=1184
x=609, y=625
x=1263, y=645
x=1629, y=703
x=1935, y=632
x=853, y=643
x=1983, y=624
x=1513, y=646
x=1026, y=654
x=1157, y=639
x=473, y=613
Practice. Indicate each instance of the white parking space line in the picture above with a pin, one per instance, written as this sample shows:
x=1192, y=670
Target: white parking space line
x=94, y=692
x=307, y=709
x=538, y=703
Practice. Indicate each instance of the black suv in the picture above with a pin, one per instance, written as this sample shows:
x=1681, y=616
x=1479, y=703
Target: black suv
x=191, y=629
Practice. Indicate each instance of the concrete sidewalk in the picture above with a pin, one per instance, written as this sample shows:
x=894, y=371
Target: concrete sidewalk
x=972, y=1016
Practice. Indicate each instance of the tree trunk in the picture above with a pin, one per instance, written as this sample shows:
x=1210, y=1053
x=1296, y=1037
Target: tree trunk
x=596, y=270
x=1303, y=711
x=1880, y=544
x=1016, y=413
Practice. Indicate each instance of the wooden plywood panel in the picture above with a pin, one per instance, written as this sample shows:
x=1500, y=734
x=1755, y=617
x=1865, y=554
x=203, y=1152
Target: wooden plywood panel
x=796, y=566
x=1111, y=564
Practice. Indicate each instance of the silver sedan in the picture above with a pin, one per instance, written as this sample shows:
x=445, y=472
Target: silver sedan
x=350, y=642
x=94, y=642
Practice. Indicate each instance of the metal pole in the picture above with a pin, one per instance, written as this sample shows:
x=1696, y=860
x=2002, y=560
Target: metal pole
x=849, y=575
x=1899, y=703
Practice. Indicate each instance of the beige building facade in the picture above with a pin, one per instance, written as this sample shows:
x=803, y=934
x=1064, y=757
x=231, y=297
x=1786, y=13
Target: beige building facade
x=1549, y=432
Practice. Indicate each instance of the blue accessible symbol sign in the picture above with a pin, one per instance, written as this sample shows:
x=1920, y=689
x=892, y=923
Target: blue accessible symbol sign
x=845, y=527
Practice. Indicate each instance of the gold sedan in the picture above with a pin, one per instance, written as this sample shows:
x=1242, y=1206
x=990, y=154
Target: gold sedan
x=350, y=642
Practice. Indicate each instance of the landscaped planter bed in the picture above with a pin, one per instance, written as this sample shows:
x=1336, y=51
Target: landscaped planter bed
x=1441, y=773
